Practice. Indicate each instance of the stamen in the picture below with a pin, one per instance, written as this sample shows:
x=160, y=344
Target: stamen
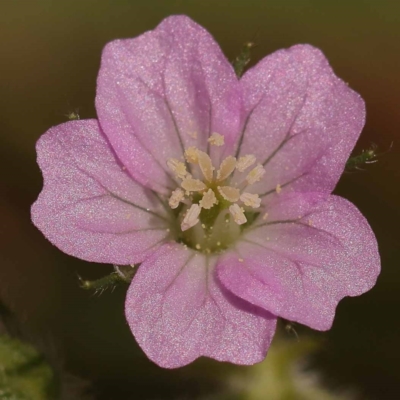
x=216, y=139
x=238, y=214
x=193, y=185
x=210, y=194
x=191, y=217
x=226, y=168
x=208, y=199
x=177, y=167
x=278, y=188
x=250, y=200
x=205, y=165
x=229, y=193
x=176, y=197
x=245, y=162
x=255, y=174
x=191, y=155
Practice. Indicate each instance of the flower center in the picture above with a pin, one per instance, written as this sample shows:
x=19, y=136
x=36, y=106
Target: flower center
x=212, y=204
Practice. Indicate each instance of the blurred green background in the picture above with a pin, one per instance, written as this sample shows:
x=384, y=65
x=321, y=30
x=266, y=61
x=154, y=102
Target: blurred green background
x=50, y=54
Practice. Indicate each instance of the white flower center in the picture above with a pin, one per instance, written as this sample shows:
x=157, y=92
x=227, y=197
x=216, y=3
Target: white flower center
x=206, y=189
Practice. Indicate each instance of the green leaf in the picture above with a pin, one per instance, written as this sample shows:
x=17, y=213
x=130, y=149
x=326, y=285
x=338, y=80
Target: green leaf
x=24, y=372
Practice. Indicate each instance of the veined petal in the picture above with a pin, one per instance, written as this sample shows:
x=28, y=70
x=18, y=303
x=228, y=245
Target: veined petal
x=178, y=311
x=89, y=207
x=302, y=121
x=162, y=92
x=300, y=269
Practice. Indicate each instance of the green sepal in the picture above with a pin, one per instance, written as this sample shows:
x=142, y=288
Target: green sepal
x=122, y=274
x=239, y=64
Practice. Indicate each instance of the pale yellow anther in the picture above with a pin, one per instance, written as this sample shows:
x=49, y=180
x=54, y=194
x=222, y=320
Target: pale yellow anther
x=193, y=185
x=237, y=214
x=216, y=139
x=191, y=155
x=229, y=193
x=278, y=188
x=265, y=216
x=245, y=162
x=250, y=200
x=205, y=164
x=177, y=167
x=208, y=199
x=255, y=174
x=227, y=166
x=191, y=217
x=176, y=197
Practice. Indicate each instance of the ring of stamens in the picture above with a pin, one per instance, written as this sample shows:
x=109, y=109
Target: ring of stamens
x=214, y=189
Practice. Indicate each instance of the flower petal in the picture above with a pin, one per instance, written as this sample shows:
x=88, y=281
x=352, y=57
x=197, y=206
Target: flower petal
x=302, y=121
x=300, y=269
x=164, y=91
x=178, y=311
x=89, y=207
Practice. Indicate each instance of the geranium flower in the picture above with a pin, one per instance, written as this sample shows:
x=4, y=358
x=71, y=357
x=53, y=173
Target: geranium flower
x=220, y=188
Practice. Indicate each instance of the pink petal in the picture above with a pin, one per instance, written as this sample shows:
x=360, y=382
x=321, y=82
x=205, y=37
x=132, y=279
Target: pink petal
x=302, y=121
x=90, y=207
x=300, y=264
x=163, y=91
x=178, y=312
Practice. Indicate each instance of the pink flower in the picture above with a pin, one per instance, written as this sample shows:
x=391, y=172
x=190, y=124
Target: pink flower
x=219, y=187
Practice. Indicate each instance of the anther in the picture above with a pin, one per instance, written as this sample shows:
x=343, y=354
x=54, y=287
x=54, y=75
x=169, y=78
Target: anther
x=237, y=214
x=216, y=139
x=191, y=155
x=191, y=217
x=177, y=167
x=250, y=200
x=229, y=193
x=227, y=166
x=208, y=199
x=255, y=174
x=176, y=197
x=193, y=185
x=245, y=162
x=278, y=188
x=205, y=164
